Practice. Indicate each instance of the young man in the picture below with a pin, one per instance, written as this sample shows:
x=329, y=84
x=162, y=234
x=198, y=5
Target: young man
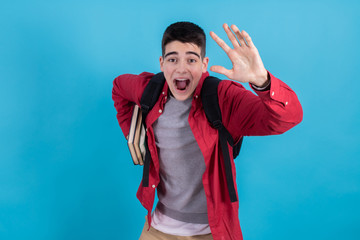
x=187, y=166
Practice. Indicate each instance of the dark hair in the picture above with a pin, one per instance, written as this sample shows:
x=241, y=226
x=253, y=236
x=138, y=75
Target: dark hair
x=185, y=32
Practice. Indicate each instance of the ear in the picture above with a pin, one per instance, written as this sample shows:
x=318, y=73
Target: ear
x=205, y=63
x=161, y=63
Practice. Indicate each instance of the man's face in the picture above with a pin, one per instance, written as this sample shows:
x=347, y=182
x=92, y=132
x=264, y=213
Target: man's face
x=182, y=67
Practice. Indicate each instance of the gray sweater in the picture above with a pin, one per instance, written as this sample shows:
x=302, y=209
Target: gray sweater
x=180, y=192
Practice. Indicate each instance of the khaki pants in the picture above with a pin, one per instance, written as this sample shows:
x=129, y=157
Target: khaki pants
x=154, y=234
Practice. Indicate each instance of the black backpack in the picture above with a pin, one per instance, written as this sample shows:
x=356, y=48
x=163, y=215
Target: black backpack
x=209, y=98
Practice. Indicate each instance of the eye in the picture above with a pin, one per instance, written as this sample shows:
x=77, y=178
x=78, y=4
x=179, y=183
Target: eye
x=192, y=60
x=172, y=60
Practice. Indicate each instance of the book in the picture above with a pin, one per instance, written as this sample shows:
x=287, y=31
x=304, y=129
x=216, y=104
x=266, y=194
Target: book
x=136, y=138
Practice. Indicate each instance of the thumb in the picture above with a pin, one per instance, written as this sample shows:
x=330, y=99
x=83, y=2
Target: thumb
x=221, y=70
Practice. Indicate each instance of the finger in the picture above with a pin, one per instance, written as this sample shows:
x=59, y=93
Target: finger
x=248, y=39
x=220, y=42
x=231, y=36
x=239, y=35
x=221, y=70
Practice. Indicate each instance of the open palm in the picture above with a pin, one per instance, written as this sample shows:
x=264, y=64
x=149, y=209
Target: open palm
x=245, y=58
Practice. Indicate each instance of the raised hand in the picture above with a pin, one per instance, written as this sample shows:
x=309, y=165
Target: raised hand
x=245, y=58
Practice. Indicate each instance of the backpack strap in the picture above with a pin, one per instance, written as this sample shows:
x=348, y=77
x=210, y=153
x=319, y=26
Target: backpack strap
x=148, y=99
x=210, y=101
x=237, y=147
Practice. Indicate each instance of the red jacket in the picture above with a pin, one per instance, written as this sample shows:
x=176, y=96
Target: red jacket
x=244, y=114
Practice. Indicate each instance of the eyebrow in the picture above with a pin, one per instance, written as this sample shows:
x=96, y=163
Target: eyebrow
x=176, y=53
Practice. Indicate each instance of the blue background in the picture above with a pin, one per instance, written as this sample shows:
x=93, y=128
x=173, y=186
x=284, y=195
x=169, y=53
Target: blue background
x=65, y=170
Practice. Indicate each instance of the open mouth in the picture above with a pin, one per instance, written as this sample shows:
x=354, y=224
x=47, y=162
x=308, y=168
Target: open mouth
x=181, y=84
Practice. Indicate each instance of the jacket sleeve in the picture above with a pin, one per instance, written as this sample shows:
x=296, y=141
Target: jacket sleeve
x=271, y=112
x=127, y=91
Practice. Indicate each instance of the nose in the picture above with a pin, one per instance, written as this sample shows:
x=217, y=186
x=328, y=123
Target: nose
x=181, y=67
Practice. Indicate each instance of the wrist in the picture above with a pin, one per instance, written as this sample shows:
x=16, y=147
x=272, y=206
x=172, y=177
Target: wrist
x=262, y=81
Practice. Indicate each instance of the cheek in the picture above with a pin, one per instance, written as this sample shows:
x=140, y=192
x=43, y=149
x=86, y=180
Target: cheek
x=197, y=72
x=167, y=73
x=168, y=69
